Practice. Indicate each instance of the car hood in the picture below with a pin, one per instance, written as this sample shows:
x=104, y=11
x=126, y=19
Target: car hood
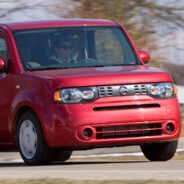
x=111, y=75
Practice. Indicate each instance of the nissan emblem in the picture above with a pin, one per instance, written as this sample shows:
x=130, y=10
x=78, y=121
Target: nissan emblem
x=123, y=90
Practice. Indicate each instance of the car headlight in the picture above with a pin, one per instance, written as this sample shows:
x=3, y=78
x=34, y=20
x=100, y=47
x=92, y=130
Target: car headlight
x=162, y=90
x=75, y=95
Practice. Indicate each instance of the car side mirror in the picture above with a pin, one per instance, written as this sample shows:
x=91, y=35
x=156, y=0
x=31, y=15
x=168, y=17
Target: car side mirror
x=2, y=64
x=144, y=56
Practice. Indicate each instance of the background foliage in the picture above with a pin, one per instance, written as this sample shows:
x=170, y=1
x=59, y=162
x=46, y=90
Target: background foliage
x=143, y=19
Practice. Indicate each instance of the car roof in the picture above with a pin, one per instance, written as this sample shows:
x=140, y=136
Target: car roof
x=58, y=23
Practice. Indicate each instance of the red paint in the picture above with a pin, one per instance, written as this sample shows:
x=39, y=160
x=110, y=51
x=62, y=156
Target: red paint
x=144, y=56
x=2, y=64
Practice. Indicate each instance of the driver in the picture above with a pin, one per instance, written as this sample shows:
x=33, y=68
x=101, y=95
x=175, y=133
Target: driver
x=63, y=51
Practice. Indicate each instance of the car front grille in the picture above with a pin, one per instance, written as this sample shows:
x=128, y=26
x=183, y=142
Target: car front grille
x=108, y=91
x=126, y=131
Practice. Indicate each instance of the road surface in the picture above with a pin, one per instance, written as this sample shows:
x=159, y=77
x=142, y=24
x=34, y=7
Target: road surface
x=12, y=167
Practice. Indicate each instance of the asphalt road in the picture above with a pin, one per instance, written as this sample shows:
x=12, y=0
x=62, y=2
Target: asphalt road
x=12, y=167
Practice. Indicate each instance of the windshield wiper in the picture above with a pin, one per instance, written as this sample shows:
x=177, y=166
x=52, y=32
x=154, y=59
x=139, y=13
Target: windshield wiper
x=47, y=68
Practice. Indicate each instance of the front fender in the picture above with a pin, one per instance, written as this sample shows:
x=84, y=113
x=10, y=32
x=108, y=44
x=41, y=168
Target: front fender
x=29, y=100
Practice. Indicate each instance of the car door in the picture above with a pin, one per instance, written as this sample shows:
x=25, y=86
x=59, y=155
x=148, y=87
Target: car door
x=5, y=95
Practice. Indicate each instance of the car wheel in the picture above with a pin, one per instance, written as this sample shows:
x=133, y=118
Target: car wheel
x=62, y=155
x=31, y=141
x=160, y=151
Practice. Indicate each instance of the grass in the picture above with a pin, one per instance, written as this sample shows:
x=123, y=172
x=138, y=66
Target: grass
x=61, y=181
x=182, y=131
x=182, y=118
x=182, y=112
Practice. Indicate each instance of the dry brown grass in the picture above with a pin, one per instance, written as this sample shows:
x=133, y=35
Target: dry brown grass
x=60, y=181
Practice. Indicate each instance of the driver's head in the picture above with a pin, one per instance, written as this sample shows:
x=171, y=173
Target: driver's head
x=63, y=50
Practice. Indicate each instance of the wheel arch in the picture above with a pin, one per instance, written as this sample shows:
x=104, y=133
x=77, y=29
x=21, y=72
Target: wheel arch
x=31, y=101
x=28, y=101
x=20, y=111
x=30, y=138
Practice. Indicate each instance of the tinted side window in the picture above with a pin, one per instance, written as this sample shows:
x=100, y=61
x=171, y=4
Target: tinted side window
x=3, y=50
x=108, y=48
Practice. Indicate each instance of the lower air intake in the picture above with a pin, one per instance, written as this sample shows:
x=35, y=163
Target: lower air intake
x=126, y=131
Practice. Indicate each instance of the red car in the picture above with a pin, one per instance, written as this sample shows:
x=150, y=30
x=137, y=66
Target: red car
x=81, y=84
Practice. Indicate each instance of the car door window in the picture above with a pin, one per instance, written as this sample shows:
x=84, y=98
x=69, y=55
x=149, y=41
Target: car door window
x=108, y=48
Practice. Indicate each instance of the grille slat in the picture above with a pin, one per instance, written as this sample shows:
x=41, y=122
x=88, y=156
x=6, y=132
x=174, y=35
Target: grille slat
x=105, y=91
x=140, y=89
x=139, y=130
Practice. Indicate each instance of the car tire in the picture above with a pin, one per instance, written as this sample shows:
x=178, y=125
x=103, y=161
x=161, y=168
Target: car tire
x=62, y=155
x=160, y=151
x=31, y=141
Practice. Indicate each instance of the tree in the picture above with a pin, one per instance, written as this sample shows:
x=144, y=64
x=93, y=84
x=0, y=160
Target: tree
x=16, y=5
x=141, y=18
x=15, y=10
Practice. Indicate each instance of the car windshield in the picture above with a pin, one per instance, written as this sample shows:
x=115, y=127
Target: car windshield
x=74, y=47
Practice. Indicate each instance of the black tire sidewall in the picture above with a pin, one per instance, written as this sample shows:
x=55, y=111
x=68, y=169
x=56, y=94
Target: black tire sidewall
x=160, y=151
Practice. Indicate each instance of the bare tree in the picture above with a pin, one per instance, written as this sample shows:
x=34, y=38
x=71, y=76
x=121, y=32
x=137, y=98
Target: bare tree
x=27, y=9
x=16, y=5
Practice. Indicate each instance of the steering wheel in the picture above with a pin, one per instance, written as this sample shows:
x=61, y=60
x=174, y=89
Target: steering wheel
x=72, y=60
x=87, y=60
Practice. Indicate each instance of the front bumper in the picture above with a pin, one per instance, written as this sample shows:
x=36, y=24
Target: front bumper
x=113, y=122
